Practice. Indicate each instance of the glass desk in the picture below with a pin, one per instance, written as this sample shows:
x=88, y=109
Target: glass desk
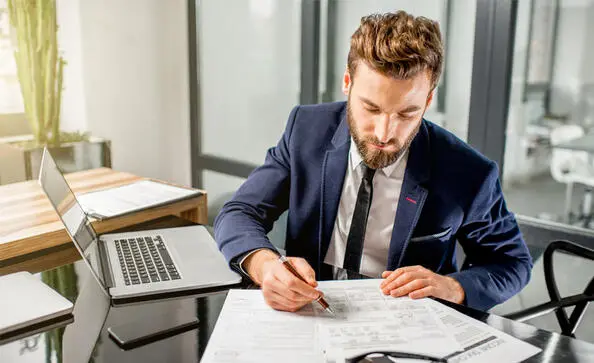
x=86, y=339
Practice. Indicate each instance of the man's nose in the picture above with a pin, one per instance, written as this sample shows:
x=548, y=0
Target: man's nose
x=382, y=128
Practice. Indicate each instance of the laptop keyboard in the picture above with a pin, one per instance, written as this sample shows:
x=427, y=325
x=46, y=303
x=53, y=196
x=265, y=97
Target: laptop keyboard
x=144, y=260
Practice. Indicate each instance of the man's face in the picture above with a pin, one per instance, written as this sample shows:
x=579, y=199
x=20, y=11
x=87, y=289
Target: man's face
x=384, y=114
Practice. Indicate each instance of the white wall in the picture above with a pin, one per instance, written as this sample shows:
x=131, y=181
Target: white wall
x=127, y=80
x=73, y=112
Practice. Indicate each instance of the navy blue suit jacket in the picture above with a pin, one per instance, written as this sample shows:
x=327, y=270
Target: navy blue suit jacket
x=450, y=192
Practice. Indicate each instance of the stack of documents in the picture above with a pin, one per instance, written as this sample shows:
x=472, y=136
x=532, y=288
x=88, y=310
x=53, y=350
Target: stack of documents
x=366, y=320
x=133, y=197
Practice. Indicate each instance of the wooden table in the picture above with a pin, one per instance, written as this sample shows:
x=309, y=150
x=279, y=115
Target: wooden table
x=31, y=229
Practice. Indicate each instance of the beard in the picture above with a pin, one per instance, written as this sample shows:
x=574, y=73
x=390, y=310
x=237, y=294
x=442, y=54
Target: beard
x=375, y=158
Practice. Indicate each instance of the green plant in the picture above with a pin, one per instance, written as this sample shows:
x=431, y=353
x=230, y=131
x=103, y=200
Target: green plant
x=39, y=67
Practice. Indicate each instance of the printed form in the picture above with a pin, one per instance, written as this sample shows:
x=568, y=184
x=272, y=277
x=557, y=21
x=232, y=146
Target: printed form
x=249, y=331
x=131, y=197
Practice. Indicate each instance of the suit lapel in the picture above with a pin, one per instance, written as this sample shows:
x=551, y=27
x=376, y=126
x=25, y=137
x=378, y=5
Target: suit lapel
x=412, y=197
x=333, y=173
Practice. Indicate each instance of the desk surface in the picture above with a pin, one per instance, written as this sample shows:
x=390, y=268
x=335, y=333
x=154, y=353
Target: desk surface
x=30, y=227
x=189, y=346
x=584, y=143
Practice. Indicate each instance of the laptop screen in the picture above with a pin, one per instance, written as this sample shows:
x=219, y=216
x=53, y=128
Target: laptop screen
x=70, y=212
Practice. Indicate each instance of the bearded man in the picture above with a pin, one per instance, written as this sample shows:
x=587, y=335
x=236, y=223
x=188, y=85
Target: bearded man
x=373, y=189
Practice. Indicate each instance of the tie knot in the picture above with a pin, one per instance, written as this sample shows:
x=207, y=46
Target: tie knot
x=368, y=173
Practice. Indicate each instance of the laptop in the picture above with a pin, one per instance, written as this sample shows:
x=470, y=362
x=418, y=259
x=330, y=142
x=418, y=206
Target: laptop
x=22, y=313
x=139, y=266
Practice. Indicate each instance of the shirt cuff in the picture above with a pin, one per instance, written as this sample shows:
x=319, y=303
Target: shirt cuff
x=244, y=257
x=237, y=263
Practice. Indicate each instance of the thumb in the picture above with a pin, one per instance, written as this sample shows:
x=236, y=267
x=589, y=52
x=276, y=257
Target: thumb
x=304, y=270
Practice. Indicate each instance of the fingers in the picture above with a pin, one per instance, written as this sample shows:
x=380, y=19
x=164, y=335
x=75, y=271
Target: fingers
x=295, y=285
x=278, y=297
x=291, y=288
x=304, y=270
x=410, y=287
x=404, y=279
x=279, y=302
x=284, y=291
x=421, y=293
x=390, y=276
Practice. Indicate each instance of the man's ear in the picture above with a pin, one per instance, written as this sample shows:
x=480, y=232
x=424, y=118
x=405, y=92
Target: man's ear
x=346, y=82
x=430, y=98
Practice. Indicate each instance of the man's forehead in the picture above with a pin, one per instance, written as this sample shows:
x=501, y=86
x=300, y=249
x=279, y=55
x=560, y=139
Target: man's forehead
x=404, y=96
x=380, y=88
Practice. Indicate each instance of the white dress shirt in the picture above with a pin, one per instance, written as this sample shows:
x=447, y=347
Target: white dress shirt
x=387, y=183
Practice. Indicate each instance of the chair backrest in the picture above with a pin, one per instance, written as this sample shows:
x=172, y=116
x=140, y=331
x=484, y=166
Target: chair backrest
x=564, y=163
x=568, y=324
x=537, y=233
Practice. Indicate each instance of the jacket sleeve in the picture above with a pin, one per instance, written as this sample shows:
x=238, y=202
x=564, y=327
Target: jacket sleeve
x=498, y=264
x=244, y=221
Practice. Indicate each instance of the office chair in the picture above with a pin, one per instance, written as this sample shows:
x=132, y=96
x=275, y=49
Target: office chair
x=569, y=166
x=557, y=304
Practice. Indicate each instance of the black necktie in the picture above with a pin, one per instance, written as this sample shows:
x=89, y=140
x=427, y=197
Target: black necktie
x=354, y=248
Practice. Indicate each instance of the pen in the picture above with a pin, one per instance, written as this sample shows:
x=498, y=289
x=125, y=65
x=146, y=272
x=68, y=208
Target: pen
x=290, y=267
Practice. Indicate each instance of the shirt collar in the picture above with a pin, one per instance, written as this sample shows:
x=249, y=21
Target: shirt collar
x=356, y=159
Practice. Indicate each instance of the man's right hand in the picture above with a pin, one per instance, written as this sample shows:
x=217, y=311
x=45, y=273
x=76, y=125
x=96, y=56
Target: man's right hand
x=282, y=290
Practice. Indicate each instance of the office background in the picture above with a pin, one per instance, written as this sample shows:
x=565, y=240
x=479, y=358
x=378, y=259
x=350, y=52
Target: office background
x=195, y=92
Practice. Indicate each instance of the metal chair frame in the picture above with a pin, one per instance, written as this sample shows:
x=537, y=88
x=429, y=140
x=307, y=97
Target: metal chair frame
x=568, y=324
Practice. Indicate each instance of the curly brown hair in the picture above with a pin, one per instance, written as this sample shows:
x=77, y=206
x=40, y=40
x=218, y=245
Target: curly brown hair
x=398, y=45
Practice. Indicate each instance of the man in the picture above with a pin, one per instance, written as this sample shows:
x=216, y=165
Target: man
x=373, y=189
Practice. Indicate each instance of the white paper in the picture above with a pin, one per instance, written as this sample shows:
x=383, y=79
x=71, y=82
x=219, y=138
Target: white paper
x=482, y=343
x=248, y=330
x=367, y=320
x=132, y=197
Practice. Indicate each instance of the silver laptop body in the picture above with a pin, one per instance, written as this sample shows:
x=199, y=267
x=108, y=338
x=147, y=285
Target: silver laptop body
x=139, y=266
x=27, y=302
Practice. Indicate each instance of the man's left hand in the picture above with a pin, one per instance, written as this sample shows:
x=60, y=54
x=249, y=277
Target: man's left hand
x=418, y=282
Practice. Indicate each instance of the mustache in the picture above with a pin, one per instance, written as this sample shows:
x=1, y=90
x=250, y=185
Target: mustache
x=376, y=141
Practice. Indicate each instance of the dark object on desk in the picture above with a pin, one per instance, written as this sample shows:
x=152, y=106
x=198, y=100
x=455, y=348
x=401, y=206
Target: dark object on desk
x=364, y=358
x=557, y=304
x=137, y=334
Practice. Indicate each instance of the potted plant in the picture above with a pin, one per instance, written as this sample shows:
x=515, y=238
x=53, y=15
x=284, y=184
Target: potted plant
x=40, y=70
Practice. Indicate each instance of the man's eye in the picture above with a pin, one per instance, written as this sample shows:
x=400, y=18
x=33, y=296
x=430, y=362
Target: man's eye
x=407, y=116
x=372, y=110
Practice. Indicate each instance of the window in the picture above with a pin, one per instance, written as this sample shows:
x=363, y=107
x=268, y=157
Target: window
x=541, y=50
x=11, y=101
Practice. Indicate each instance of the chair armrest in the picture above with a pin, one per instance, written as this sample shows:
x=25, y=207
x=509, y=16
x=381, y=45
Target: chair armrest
x=548, y=307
